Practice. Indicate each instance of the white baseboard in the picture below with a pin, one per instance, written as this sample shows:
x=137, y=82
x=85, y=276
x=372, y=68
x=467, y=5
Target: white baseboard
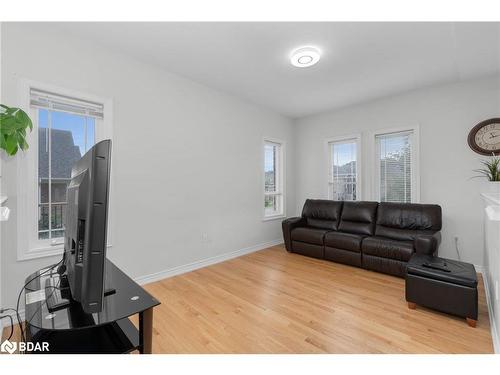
x=141, y=280
x=494, y=330
x=479, y=269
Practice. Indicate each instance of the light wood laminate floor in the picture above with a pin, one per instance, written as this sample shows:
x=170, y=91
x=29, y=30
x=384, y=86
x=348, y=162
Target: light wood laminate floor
x=272, y=301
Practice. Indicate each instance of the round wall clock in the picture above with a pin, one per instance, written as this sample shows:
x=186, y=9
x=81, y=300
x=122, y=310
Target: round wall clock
x=484, y=138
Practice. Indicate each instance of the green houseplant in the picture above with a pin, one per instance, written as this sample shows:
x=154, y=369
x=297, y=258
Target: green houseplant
x=490, y=170
x=14, y=123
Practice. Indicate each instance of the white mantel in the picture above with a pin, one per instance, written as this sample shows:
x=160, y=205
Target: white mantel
x=491, y=198
x=491, y=273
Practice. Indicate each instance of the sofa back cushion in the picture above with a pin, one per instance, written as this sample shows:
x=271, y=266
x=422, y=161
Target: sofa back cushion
x=405, y=221
x=320, y=213
x=358, y=217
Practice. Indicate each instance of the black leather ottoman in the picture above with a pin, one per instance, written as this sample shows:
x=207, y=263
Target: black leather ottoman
x=453, y=292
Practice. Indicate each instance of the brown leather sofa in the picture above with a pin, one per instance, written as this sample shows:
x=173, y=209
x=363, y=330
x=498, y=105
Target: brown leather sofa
x=377, y=236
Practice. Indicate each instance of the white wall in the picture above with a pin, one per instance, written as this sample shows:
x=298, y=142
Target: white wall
x=1, y=223
x=445, y=115
x=187, y=159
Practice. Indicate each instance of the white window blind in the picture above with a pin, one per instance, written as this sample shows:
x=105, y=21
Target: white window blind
x=66, y=131
x=47, y=100
x=342, y=171
x=394, y=155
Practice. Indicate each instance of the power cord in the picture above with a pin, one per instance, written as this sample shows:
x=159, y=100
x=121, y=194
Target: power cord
x=16, y=310
x=11, y=324
x=54, y=288
x=50, y=268
x=2, y=311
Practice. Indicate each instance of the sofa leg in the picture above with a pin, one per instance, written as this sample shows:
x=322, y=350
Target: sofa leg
x=471, y=322
x=412, y=305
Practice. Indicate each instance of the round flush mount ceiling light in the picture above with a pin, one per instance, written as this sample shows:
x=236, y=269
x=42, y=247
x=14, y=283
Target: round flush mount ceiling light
x=304, y=57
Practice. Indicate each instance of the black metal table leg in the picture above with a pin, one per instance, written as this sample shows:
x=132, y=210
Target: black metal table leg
x=146, y=331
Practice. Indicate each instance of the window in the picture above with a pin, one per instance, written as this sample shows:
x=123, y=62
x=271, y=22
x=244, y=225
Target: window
x=66, y=126
x=63, y=138
x=396, y=167
x=343, y=169
x=273, y=179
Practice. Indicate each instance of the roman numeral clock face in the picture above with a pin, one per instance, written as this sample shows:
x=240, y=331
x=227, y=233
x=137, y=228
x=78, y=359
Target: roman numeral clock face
x=484, y=138
x=487, y=137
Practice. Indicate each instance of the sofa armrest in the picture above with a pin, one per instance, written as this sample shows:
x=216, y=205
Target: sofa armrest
x=287, y=225
x=427, y=244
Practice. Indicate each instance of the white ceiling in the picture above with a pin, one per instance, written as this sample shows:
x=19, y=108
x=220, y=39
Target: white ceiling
x=360, y=61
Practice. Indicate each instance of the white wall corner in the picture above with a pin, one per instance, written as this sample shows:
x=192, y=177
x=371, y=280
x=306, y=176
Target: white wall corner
x=495, y=334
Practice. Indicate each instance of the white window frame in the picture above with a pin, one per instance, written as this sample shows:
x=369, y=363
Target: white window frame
x=344, y=139
x=28, y=244
x=415, y=162
x=281, y=178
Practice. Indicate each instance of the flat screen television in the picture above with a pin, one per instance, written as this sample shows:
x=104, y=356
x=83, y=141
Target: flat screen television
x=86, y=227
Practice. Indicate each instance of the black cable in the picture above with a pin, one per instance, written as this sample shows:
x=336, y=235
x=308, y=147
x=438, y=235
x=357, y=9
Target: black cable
x=16, y=310
x=54, y=288
x=11, y=319
x=11, y=324
x=50, y=268
x=7, y=309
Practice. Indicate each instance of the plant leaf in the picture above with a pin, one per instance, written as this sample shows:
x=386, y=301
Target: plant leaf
x=13, y=125
x=23, y=119
x=8, y=126
x=2, y=142
x=23, y=145
x=11, y=145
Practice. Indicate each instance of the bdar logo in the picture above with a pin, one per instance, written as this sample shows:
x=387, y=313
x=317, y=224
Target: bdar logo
x=8, y=347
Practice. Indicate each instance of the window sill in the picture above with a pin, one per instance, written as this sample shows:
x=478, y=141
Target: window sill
x=44, y=252
x=271, y=218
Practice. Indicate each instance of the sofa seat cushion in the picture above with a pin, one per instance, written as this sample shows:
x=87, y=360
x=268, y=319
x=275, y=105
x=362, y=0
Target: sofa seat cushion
x=309, y=235
x=388, y=248
x=345, y=241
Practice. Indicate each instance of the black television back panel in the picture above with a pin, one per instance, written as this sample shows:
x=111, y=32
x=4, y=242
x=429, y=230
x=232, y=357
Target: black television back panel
x=86, y=227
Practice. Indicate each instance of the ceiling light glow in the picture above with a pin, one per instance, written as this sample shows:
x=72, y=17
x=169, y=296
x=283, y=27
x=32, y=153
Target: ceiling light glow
x=305, y=56
x=305, y=60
